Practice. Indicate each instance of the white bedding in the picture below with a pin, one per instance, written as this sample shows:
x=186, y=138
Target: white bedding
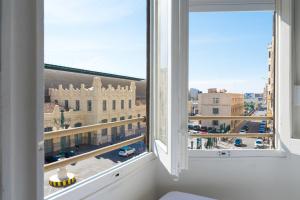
x=183, y=196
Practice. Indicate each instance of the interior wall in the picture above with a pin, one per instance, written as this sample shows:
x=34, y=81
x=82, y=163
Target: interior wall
x=236, y=178
x=296, y=109
x=138, y=186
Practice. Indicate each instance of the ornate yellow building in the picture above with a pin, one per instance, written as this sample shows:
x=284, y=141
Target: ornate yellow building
x=86, y=106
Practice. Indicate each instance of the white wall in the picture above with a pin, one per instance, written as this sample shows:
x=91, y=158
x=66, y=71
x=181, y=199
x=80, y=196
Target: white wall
x=137, y=186
x=237, y=178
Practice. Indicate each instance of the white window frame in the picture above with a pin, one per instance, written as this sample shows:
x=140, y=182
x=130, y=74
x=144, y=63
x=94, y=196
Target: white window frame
x=16, y=52
x=283, y=70
x=172, y=155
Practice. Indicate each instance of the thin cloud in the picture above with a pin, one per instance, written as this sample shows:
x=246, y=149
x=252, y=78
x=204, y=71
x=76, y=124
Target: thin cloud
x=86, y=11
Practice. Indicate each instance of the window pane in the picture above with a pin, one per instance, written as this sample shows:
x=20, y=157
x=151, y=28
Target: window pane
x=231, y=80
x=162, y=72
x=83, y=38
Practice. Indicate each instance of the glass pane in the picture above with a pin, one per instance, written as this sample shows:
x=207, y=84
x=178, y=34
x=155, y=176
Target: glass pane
x=96, y=56
x=162, y=71
x=231, y=80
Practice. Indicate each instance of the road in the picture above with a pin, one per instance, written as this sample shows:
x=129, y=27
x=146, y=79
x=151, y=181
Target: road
x=249, y=143
x=92, y=166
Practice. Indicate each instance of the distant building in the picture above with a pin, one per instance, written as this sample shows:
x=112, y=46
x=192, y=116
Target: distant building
x=270, y=81
x=192, y=108
x=193, y=94
x=221, y=103
x=257, y=99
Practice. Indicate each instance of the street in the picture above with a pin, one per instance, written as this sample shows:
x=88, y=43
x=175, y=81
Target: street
x=248, y=143
x=92, y=166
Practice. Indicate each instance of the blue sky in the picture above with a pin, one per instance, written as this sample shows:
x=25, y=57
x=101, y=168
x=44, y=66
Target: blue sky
x=101, y=35
x=227, y=50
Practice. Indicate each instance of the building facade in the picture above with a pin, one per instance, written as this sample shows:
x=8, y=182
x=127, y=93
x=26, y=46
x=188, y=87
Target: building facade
x=86, y=106
x=220, y=103
x=270, y=80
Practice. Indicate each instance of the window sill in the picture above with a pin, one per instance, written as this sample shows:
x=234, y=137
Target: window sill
x=235, y=153
x=103, y=179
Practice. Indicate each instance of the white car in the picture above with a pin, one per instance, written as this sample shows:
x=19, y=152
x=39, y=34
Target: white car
x=243, y=131
x=259, y=143
x=126, y=151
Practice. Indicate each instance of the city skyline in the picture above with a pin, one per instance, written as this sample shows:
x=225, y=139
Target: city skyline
x=112, y=39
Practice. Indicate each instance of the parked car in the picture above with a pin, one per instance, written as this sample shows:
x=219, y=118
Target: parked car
x=66, y=154
x=242, y=131
x=245, y=127
x=69, y=154
x=262, y=130
x=203, y=129
x=191, y=126
x=238, y=142
x=197, y=128
x=52, y=158
x=126, y=151
x=193, y=132
x=259, y=143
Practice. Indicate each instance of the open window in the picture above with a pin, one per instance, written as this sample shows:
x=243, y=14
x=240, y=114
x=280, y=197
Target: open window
x=168, y=105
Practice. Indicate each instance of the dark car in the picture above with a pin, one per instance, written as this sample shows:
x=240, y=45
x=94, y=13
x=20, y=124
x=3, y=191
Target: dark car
x=197, y=128
x=246, y=128
x=52, y=158
x=67, y=154
x=203, y=129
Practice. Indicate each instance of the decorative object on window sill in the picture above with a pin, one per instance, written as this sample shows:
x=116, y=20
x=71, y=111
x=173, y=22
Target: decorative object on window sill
x=62, y=178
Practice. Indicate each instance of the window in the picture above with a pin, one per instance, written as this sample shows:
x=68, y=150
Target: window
x=122, y=128
x=47, y=129
x=223, y=80
x=77, y=105
x=114, y=104
x=129, y=104
x=215, y=123
x=104, y=132
x=215, y=111
x=89, y=105
x=104, y=105
x=285, y=69
x=285, y=38
x=122, y=104
x=130, y=125
x=216, y=100
x=66, y=105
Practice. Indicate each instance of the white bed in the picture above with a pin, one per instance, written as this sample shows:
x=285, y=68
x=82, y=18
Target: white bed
x=183, y=196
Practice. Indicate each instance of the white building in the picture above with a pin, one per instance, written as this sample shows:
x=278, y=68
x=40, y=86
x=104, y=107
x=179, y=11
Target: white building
x=219, y=102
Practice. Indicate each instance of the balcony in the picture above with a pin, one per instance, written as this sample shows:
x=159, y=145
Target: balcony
x=92, y=159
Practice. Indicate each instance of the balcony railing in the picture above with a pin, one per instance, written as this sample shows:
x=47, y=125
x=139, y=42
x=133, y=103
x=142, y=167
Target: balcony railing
x=271, y=136
x=91, y=128
x=200, y=117
x=84, y=156
x=97, y=127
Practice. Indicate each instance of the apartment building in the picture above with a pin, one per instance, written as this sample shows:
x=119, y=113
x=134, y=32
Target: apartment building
x=219, y=102
x=270, y=80
x=86, y=106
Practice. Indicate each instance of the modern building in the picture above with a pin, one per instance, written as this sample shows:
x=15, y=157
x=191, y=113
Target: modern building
x=193, y=94
x=220, y=102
